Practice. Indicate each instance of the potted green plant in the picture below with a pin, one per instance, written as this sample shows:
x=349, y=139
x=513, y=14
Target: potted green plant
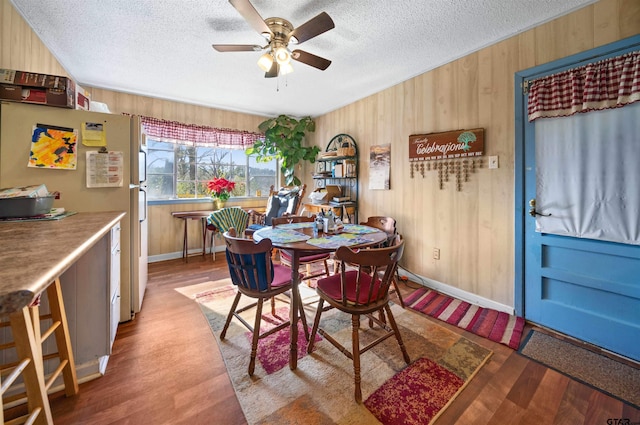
x=283, y=138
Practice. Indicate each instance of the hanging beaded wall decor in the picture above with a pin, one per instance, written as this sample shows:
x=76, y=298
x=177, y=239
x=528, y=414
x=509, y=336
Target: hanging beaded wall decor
x=452, y=152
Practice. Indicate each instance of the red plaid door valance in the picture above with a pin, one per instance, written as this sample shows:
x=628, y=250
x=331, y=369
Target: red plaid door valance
x=610, y=83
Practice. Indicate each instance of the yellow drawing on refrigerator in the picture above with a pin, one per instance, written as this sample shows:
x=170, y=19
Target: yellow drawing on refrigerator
x=53, y=147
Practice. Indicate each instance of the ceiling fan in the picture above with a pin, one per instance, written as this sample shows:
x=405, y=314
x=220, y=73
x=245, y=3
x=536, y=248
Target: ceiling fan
x=280, y=34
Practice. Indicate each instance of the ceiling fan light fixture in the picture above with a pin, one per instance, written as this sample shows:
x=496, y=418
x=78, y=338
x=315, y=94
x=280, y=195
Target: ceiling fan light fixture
x=265, y=62
x=282, y=55
x=286, y=68
x=280, y=34
x=266, y=35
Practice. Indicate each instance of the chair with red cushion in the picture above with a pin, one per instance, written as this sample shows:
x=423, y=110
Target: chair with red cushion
x=387, y=225
x=255, y=276
x=308, y=260
x=363, y=291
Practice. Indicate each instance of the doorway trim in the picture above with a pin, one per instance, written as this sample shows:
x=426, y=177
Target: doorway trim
x=559, y=65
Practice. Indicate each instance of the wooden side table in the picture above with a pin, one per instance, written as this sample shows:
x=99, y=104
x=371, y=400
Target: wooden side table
x=193, y=215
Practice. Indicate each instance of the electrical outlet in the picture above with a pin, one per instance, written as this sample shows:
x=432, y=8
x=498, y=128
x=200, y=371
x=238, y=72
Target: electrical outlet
x=436, y=253
x=493, y=162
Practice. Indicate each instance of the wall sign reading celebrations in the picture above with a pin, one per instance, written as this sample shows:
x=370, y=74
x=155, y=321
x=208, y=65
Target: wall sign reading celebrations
x=446, y=145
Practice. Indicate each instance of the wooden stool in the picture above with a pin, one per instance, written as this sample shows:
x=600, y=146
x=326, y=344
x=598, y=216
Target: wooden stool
x=29, y=363
x=60, y=329
x=31, y=352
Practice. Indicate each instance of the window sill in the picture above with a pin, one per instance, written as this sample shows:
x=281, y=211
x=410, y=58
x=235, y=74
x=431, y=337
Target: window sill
x=236, y=200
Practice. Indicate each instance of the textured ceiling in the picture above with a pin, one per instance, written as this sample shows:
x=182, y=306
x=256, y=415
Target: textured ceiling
x=162, y=48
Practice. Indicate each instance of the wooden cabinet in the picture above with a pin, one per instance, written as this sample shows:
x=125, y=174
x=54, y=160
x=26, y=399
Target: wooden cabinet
x=114, y=285
x=338, y=166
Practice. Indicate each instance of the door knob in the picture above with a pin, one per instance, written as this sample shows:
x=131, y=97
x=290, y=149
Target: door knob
x=532, y=209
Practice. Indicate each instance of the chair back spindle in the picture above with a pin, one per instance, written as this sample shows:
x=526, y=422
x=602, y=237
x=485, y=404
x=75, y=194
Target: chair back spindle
x=374, y=271
x=291, y=219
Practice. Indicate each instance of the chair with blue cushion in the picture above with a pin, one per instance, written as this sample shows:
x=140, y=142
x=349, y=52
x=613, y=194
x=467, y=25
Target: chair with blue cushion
x=223, y=220
x=283, y=202
x=363, y=291
x=255, y=276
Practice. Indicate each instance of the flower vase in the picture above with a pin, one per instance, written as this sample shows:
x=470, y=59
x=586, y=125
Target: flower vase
x=219, y=203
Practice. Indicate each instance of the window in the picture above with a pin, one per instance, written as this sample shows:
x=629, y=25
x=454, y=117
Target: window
x=179, y=171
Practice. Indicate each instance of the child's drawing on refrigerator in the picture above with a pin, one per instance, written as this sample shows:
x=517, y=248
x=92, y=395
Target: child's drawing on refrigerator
x=53, y=147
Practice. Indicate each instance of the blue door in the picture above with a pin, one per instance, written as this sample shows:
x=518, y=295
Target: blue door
x=585, y=288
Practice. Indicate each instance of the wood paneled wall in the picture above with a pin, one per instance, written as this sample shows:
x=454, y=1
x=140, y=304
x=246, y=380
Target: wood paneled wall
x=166, y=232
x=473, y=228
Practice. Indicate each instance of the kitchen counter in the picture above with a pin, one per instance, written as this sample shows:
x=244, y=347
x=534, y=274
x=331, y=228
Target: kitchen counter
x=34, y=253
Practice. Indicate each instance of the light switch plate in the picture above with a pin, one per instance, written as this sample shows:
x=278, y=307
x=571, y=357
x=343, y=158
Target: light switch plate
x=493, y=162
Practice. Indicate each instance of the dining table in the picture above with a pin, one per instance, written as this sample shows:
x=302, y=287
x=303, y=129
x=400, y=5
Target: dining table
x=300, y=239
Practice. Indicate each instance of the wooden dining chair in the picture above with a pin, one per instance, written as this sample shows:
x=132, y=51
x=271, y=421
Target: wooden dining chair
x=285, y=201
x=307, y=260
x=387, y=225
x=255, y=276
x=225, y=219
x=363, y=291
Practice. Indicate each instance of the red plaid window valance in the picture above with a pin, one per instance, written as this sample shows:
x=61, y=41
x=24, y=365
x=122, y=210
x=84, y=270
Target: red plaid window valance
x=198, y=135
x=610, y=83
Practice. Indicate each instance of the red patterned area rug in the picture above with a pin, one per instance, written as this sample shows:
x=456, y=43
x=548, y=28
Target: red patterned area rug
x=492, y=324
x=320, y=390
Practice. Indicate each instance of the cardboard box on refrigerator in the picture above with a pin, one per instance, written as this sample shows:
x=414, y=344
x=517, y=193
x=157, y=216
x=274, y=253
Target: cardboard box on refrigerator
x=62, y=97
x=10, y=92
x=32, y=79
x=34, y=95
x=83, y=99
x=45, y=89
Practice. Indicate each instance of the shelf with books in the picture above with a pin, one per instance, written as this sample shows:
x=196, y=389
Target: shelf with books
x=338, y=165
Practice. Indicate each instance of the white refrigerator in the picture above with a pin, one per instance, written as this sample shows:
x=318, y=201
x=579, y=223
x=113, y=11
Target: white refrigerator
x=121, y=134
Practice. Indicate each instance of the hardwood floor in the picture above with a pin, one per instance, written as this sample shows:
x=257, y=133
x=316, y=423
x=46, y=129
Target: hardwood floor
x=166, y=368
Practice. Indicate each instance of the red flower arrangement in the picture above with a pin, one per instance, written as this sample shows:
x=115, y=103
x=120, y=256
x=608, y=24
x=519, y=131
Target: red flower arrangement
x=221, y=188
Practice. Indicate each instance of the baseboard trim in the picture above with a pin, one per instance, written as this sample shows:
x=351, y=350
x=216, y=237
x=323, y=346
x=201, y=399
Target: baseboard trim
x=178, y=254
x=458, y=293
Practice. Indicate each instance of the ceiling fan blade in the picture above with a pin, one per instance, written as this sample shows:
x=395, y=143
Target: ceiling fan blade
x=237, y=47
x=310, y=59
x=251, y=15
x=273, y=72
x=313, y=27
